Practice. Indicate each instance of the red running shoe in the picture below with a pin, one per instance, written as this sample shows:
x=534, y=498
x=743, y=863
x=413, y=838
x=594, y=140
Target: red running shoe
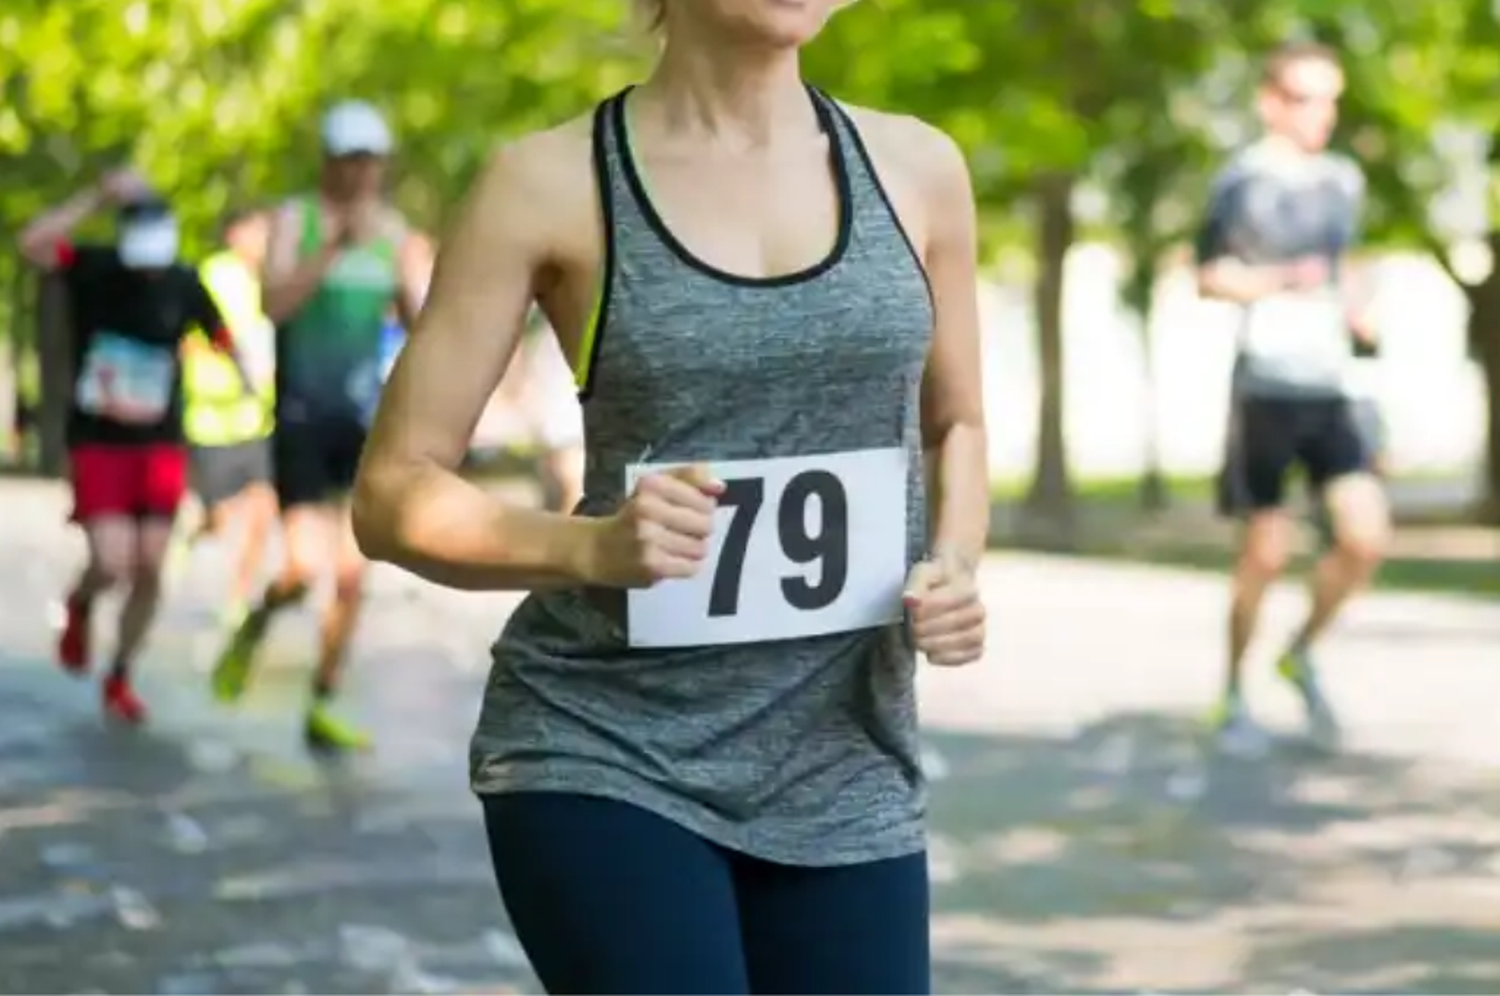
x=121, y=702
x=73, y=644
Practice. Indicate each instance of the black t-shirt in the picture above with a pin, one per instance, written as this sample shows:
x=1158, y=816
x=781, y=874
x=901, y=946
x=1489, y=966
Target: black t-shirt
x=128, y=327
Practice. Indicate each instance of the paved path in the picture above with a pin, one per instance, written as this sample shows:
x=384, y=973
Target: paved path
x=1083, y=841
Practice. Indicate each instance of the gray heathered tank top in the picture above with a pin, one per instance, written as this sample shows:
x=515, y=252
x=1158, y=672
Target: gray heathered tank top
x=801, y=750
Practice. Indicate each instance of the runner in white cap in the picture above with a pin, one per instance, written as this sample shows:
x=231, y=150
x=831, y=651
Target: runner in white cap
x=337, y=262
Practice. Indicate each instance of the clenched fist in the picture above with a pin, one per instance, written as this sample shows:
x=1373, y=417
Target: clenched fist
x=947, y=617
x=661, y=531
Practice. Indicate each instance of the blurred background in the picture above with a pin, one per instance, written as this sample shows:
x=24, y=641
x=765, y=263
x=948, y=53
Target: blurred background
x=1092, y=130
x=1082, y=843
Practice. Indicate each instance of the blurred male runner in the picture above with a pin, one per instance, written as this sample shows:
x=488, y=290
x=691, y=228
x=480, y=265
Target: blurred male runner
x=1283, y=216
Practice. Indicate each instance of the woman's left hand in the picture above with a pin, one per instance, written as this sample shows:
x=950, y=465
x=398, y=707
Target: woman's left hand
x=947, y=617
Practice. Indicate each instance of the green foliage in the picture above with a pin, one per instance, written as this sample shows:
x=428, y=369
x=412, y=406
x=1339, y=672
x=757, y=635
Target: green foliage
x=217, y=100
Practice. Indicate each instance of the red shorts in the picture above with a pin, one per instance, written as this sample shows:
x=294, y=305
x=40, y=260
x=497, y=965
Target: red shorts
x=140, y=481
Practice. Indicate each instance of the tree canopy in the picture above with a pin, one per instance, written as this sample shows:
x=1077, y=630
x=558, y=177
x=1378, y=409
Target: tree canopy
x=1125, y=106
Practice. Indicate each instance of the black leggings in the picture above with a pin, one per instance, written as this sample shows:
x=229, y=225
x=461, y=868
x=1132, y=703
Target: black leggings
x=608, y=898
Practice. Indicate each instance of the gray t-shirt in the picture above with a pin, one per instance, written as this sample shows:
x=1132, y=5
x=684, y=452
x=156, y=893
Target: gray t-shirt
x=1272, y=206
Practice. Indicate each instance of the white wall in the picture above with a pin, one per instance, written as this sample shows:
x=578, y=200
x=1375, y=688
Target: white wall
x=1435, y=398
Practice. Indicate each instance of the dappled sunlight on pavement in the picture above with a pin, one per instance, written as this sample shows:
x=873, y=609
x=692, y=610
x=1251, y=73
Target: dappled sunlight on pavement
x=1084, y=838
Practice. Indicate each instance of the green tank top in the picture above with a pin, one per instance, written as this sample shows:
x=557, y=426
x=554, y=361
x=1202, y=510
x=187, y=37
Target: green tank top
x=329, y=353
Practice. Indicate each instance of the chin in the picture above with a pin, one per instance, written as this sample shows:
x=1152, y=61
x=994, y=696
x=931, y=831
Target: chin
x=779, y=23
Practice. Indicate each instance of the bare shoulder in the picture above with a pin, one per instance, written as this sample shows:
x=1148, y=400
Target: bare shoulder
x=539, y=188
x=554, y=165
x=923, y=172
x=925, y=155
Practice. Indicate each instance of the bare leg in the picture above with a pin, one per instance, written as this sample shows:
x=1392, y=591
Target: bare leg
x=325, y=730
x=307, y=546
x=153, y=538
x=254, y=510
x=1263, y=557
x=111, y=561
x=111, y=557
x=343, y=609
x=1360, y=518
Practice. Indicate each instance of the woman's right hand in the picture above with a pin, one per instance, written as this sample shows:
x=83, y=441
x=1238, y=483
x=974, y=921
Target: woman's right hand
x=662, y=530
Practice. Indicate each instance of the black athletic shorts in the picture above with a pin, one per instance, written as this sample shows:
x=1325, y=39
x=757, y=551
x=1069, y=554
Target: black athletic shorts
x=1268, y=437
x=1369, y=422
x=316, y=460
x=218, y=473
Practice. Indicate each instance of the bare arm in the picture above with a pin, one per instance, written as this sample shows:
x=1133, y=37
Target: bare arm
x=1358, y=294
x=953, y=425
x=39, y=240
x=290, y=280
x=411, y=508
x=208, y=317
x=1228, y=279
x=415, y=263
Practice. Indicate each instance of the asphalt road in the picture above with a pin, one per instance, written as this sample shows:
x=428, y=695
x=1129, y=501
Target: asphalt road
x=1084, y=840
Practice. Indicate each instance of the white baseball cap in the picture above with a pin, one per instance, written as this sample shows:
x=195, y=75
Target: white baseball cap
x=353, y=127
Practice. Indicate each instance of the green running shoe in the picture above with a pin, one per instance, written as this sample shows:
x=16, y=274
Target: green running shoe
x=1236, y=732
x=231, y=675
x=1296, y=668
x=327, y=732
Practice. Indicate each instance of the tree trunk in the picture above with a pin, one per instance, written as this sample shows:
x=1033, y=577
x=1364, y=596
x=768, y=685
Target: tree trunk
x=1153, y=493
x=1140, y=297
x=10, y=360
x=1051, y=494
x=54, y=348
x=1484, y=340
x=1489, y=511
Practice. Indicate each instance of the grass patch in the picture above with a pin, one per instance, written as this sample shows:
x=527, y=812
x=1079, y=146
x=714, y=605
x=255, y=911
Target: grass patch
x=1474, y=578
x=1111, y=524
x=1110, y=491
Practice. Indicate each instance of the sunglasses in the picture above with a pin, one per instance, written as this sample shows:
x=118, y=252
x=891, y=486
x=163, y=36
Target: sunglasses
x=357, y=157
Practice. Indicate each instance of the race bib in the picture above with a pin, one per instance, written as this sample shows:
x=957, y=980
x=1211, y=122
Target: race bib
x=1297, y=325
x=126, y=380
x=802, y=546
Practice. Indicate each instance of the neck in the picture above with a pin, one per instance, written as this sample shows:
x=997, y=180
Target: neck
x=1286, y=147
x=741, y=97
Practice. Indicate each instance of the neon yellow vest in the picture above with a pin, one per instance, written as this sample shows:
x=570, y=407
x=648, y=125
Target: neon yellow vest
x=218, y=412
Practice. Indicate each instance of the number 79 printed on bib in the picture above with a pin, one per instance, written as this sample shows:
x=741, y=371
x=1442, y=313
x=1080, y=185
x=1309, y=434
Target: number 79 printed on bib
x=802, y=546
